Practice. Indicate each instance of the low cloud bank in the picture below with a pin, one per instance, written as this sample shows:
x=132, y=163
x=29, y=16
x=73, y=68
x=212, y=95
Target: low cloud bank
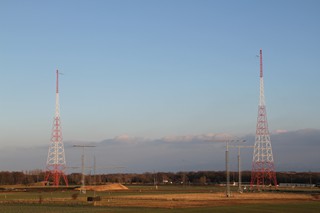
x=292, y=150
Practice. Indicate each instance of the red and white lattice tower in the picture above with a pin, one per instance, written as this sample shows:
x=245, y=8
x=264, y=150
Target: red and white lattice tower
x=263, y=170
x=56, y=162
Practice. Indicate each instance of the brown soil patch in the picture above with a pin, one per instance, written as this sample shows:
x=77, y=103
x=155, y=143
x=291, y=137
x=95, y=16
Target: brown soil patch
x=107, y=187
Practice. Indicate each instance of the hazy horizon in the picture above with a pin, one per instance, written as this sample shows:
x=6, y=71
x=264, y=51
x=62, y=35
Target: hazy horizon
x=292, y=150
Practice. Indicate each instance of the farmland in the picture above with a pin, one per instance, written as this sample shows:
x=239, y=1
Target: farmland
x=166, y=198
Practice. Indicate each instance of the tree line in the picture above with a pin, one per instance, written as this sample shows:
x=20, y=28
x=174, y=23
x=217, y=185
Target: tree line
x=183, y=178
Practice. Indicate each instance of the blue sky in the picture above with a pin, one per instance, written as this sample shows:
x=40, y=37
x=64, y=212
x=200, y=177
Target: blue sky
x=156, y=68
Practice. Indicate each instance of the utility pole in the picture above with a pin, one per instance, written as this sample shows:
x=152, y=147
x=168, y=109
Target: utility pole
x=227, y=170
x=227, y=141
x=94, y=175
x=83, y=190
x=228, y=194
x=239, y=165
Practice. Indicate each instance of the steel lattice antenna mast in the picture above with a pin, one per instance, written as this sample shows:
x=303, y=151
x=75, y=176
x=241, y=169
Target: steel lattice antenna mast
x=56, y=162
x=263, y=170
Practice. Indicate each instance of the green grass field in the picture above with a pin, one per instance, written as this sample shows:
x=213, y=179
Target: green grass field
x=310, y=207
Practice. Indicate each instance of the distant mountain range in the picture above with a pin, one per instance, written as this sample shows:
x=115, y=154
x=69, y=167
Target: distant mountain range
x=292, y=150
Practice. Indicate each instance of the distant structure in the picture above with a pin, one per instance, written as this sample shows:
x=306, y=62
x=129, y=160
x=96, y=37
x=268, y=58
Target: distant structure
x=263, y=170
x=83, y=189
x=56, y=162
